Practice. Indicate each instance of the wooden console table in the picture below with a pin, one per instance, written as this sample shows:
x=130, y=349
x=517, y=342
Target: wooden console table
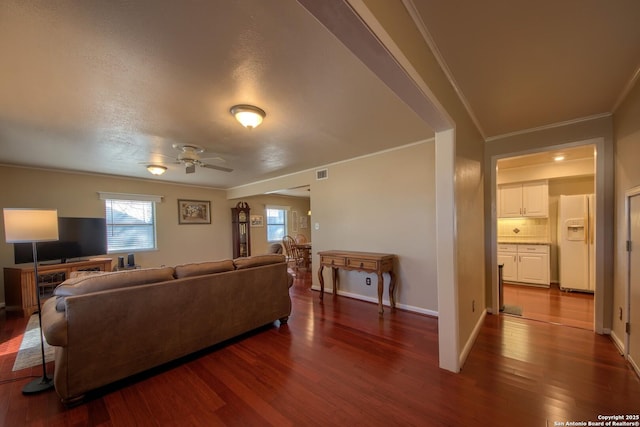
x=20, y=285
x=368, y=262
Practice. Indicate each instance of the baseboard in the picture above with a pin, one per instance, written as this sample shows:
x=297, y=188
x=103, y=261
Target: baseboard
x=385, y=302
x=617, y=342
x=634, y=365
x=472, y=339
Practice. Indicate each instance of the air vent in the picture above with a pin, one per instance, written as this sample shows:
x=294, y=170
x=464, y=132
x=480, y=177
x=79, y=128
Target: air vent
x=322, y=174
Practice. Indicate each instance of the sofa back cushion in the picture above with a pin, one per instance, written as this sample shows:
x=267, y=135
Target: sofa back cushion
x=258, y=260
x=102, y=282
x=201, y=268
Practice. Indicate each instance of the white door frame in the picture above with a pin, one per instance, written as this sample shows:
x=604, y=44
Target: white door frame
x=600, y=190
x=629, y=194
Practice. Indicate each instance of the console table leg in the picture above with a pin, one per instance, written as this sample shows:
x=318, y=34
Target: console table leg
x=321, y=279
x=392, y=289
x=380, y=291
x=336, y=280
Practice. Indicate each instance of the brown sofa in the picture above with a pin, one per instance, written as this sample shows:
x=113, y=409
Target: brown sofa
x=108, y=327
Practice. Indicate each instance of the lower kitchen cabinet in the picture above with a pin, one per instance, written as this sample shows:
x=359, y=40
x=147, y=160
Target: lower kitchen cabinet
x=524, y=263
x=508, y=257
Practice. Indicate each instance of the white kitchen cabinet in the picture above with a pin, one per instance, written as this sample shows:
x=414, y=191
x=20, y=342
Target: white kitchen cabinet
x=533, y=264
x=529, y=199
x=525, y=263
x=508, y=257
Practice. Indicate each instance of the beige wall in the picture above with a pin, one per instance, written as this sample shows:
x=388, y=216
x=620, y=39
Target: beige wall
x=76, y=195
x=627, y=146
x=258, y=206
x=382, y=203
x=378, y=203
x=582, y=167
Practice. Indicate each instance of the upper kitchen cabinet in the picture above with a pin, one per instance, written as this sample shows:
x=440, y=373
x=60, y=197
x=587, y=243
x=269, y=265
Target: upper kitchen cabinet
x=528, y=199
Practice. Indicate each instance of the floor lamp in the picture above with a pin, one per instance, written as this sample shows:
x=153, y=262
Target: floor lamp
x=32, y=226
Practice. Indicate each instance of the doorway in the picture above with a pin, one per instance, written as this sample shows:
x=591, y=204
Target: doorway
x=530, y=239
x=632, y=343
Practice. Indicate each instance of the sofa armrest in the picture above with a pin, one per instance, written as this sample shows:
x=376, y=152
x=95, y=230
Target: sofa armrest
x=54, y=324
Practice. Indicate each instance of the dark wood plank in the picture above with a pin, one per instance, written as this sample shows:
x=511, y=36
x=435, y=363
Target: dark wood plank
x=340, y=363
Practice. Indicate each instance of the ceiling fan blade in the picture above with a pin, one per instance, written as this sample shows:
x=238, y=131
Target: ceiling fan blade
x=219, y=168
x=190, y=169
x=216, y=158
x=159, y=163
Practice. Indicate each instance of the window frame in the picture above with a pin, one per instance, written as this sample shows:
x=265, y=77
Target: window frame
x=285, y=225
x=132, y=198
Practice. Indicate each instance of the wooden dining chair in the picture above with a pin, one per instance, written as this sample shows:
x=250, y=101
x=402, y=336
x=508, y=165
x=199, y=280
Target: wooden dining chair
x=294, y=257
x=301, y=238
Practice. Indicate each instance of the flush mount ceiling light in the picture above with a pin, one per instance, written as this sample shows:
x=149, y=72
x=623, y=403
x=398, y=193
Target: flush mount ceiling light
x=559, y=158
x=248, y=115
x=156, y=170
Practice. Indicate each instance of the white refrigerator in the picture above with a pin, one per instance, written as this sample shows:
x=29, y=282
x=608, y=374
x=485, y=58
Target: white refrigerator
x=576, y=242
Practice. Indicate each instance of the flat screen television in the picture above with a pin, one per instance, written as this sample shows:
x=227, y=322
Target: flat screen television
x=78, y=238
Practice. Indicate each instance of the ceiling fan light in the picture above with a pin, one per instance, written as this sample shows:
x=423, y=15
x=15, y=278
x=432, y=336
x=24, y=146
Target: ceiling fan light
x=156, y=170
x=248, y=115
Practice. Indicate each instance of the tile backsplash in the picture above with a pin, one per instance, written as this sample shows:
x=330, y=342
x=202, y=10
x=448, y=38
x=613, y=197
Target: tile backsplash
x=524, y=228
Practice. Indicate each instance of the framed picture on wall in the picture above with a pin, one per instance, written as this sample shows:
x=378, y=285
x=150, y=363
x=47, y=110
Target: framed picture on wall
x=194, y=212
x=257, y=221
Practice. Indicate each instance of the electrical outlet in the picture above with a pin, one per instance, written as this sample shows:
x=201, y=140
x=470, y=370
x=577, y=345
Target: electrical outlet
x=367, y=281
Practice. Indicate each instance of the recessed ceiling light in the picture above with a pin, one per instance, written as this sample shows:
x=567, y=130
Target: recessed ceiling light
x=559, y=158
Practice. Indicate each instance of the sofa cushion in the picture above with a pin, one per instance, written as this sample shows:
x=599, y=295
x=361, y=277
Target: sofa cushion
x=201, y=268
x=83, y=273
x=113, y=280
x=258, y=260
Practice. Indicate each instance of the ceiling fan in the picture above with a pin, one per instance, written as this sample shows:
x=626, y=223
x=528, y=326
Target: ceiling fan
x=189, y=156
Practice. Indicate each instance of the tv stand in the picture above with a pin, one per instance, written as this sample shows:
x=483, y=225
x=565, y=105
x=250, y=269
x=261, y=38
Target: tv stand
x=19, y=282
x=63, y=261
x=43, y=264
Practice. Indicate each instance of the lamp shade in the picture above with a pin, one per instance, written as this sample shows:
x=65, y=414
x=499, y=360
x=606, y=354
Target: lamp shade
x=248, y=115
x=156, y=169
x=30, y=225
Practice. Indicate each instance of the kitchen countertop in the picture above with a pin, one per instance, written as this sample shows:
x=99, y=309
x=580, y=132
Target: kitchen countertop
x=522, y=241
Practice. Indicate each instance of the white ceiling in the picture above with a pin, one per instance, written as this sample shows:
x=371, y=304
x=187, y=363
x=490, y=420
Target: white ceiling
x=103, y=87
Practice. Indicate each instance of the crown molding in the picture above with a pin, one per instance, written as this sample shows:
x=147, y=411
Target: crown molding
x=426, y=35
x=549, y=126
x=625, y=92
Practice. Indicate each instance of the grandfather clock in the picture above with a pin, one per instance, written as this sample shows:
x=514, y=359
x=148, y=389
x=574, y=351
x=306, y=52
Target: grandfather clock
x=241, y=238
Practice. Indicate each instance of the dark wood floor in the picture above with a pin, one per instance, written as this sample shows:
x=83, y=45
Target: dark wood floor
x=552, y=305
x=339, y=363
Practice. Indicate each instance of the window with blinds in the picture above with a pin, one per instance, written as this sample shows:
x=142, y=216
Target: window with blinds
x=276, y=223
x=131, y=225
